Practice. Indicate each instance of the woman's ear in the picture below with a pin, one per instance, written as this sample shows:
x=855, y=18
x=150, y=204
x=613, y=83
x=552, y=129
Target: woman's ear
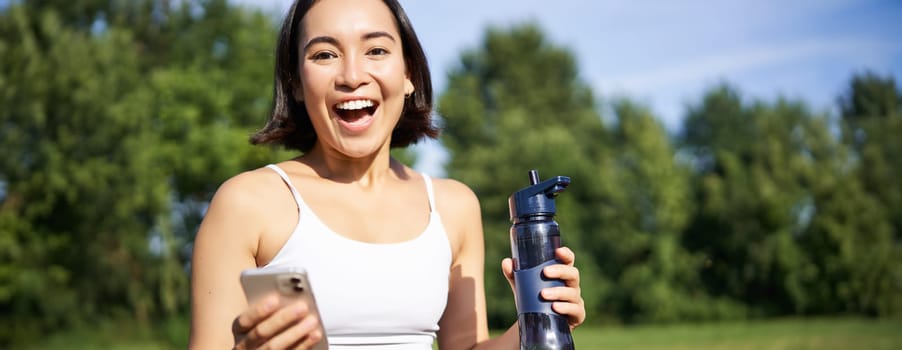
x=408, y=88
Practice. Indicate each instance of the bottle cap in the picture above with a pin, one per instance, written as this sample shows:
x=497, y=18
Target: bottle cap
x=538, y=198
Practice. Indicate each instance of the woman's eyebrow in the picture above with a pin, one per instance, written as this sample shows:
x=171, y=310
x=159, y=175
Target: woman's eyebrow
x=379, y=34
x=330, y=40
x=321, y=39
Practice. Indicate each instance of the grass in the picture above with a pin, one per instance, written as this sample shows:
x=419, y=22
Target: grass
x=118, y=335
x=794, y=334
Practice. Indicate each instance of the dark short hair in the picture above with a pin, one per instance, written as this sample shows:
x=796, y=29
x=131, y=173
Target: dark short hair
x=289, y=124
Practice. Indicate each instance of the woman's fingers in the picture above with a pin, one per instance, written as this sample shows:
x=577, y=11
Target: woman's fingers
x=507, y=267
x=265, y=323
x=301, y=335
x=567, y=273
x=565, y=255
x=279, y=321
x=568, y=299
x=564, y=294
x=568, y=302
x=248, y=320
x=576, y=313
x=312, y=338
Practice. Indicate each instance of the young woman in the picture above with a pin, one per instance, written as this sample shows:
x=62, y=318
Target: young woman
x=395, y=258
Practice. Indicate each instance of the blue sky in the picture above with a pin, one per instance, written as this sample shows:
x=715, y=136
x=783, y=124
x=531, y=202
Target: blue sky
x=667, y=53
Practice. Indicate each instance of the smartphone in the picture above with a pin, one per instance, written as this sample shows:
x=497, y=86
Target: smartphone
x=291, y=284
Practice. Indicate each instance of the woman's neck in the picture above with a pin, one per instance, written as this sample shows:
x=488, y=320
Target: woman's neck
x=365, y=171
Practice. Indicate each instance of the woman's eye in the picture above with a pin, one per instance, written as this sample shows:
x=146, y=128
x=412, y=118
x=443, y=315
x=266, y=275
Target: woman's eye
x=378, y=51
x=322, y=55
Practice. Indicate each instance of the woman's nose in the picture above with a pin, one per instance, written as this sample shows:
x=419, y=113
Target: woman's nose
x=353, y=73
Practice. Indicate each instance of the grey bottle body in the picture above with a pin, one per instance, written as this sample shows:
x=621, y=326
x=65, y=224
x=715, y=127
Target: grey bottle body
x=534, y=240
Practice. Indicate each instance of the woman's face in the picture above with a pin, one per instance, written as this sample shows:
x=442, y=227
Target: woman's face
x=353, y=76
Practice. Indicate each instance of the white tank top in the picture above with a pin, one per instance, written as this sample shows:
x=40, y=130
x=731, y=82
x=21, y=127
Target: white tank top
x=372, y=295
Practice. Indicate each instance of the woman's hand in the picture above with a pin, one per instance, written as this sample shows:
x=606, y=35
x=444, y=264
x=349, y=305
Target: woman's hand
x=567, y=299
x=266, y=324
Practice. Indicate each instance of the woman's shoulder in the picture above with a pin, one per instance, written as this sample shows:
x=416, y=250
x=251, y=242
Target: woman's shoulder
x=240, y=211
x=453, y=193
x=252, y=189
x=461, y=214
x=250, y=183
x=458, y=205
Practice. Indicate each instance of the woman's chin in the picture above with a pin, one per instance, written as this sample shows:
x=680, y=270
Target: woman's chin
x=360, y=148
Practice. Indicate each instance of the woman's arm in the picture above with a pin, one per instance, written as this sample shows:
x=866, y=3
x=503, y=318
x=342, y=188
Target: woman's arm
x=464, y=323
x=243, y=209
x=225, y=245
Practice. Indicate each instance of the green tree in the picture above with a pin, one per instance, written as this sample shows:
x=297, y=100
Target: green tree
x=645, y=209
x=749, y=190
x=119, y=119
x=775, y=196
x=871, y=111
x=76, y=192
x=871, y=115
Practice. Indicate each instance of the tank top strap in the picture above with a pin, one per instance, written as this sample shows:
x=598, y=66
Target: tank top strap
x=430, y=193
x=294, y=192
x=300, y=202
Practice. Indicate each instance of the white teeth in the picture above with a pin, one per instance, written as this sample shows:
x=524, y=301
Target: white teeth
x=355, y=104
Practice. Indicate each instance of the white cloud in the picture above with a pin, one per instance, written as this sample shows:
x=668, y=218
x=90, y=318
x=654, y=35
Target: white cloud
x=717, y=64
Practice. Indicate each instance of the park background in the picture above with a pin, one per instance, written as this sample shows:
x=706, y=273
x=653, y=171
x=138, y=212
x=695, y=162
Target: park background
x=735, y=166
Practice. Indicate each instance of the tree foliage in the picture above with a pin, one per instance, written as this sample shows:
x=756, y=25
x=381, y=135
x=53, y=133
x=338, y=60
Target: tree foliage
x=646, y=206
x=783, y=221
x=119, y=119
x=871, y=116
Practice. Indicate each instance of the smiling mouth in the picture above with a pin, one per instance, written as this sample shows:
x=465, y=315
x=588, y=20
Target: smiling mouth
x=355, y=110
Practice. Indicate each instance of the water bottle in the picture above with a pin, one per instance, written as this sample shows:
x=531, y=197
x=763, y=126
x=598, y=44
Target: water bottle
x=534, y=237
